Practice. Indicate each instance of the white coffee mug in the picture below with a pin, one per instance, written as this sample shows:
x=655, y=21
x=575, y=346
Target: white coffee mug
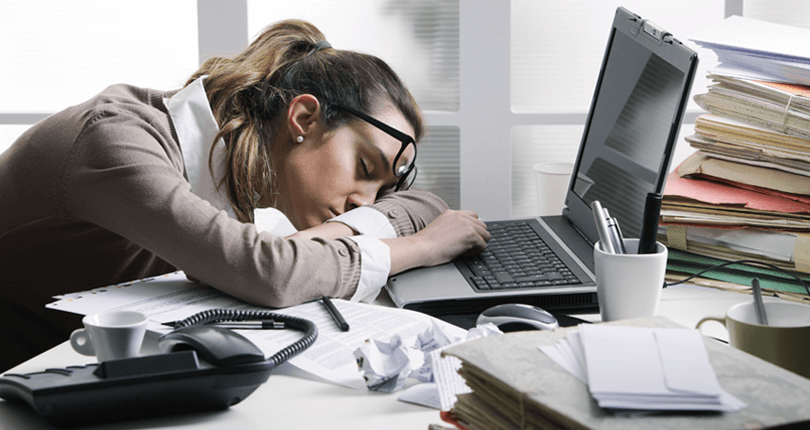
x=110, y=335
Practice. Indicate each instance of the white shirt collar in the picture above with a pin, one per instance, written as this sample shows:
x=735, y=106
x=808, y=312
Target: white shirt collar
x=196, y=129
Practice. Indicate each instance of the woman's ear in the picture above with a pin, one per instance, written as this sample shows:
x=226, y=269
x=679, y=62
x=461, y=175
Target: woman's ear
x=303, y=116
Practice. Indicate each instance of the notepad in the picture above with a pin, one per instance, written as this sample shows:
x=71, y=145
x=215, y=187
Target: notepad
x=643, y=368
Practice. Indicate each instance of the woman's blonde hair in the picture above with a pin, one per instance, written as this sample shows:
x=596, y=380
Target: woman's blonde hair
x=249, y=95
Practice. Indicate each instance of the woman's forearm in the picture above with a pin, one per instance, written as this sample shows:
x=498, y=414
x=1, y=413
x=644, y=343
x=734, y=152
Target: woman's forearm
x=406, y=253
x=452, y=234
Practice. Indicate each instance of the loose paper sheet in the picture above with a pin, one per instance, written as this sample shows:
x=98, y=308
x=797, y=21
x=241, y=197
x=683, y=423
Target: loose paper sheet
x=172, y=297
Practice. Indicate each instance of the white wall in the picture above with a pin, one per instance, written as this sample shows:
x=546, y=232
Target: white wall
x=504, y=83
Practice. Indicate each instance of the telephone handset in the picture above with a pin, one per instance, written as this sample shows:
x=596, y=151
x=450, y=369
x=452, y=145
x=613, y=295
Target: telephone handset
x=202, y=367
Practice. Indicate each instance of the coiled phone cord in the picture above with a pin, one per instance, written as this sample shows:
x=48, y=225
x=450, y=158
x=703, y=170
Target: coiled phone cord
x=221, y=315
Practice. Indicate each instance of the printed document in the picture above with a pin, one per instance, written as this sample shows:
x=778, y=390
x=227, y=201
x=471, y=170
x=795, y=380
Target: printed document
x=172, y=297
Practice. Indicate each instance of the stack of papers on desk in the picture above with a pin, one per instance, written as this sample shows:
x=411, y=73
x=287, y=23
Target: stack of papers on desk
x=643, y=368
x=516, y=386
x=745, y=193
x=704, y=202
x=732, y=211
x=759, y=50
x=763, y=179
x=779, y=107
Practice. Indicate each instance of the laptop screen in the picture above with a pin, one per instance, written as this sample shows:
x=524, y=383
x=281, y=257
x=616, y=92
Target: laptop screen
x=633, y=123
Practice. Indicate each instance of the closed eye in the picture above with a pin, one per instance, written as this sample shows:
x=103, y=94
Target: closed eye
x=364, y=165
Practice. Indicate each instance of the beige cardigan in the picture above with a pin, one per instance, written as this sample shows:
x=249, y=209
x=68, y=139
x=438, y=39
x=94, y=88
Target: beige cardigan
x=97, y=194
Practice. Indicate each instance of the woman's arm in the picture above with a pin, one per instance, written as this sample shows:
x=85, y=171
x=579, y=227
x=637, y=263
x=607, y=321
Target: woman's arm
x=125, y=175
x=451, y=234
x=406, y=211
x=395, y=214
x=410, y=211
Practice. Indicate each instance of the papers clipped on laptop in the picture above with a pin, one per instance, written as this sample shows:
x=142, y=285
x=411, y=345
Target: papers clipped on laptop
x=640, y=368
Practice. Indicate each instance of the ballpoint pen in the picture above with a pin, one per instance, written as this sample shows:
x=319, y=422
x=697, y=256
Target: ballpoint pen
x=615, y=233
x=335, y=313
x=256, y=325
x=602, y=228
x=619, y=235
x=242, y=325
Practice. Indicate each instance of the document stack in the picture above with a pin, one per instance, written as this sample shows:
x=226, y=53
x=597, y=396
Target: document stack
x=515, y=385
x=745, y=192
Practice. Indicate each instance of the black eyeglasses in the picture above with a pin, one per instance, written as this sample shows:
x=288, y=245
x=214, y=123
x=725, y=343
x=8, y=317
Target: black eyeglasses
x=405, y=173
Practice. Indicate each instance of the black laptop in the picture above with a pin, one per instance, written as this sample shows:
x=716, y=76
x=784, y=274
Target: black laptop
x=625, y=153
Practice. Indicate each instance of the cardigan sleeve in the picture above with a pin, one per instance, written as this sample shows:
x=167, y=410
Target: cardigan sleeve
x=411, y=210
x=394, y=215
x=123, y=175
x=407, y=211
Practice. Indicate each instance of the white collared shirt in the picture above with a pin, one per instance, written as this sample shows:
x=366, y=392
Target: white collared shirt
x=196, y=129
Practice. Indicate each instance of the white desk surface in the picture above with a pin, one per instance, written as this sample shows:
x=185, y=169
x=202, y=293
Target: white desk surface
x=289, y=401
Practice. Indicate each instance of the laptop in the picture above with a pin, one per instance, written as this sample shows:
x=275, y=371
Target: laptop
x=625, y=152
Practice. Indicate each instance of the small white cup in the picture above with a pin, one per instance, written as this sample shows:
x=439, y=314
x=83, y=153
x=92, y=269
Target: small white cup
x=552, y=185
x=110, y=335
x=629, y=285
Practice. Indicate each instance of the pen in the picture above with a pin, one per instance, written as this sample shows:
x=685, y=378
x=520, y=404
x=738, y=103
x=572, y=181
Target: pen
x=257, y=325
x=613, y=231
x=602, y=228
x=617, y=231
x=344, y=326
x=649, y=227
x=242, y=325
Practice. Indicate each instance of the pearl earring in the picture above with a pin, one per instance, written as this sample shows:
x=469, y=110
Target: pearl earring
x=299, y=139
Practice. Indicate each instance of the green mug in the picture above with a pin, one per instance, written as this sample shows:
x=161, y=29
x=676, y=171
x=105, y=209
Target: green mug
x=785, y=341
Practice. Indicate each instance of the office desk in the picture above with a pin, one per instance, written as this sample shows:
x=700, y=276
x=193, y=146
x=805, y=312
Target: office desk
x=294, y=400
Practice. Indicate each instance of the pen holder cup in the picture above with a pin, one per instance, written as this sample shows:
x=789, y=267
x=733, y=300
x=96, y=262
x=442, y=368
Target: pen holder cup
x=785, y=341
x=629, y=285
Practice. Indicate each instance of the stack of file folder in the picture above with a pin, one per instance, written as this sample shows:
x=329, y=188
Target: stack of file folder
x=745, y=192
x=514, y=385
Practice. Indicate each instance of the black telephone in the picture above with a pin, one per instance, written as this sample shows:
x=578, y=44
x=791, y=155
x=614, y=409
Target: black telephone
x=202, y=367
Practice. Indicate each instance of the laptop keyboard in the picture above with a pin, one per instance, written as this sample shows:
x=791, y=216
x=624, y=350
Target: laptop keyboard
x=516, y=257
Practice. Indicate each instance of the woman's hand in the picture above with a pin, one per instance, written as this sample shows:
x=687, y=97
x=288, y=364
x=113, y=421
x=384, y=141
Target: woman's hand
x=452, y=234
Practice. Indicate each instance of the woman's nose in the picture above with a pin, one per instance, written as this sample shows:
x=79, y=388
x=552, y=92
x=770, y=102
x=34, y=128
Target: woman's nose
x=362, y=197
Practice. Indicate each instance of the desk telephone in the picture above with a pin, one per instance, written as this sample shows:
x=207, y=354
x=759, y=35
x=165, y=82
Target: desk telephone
x=202, y=367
